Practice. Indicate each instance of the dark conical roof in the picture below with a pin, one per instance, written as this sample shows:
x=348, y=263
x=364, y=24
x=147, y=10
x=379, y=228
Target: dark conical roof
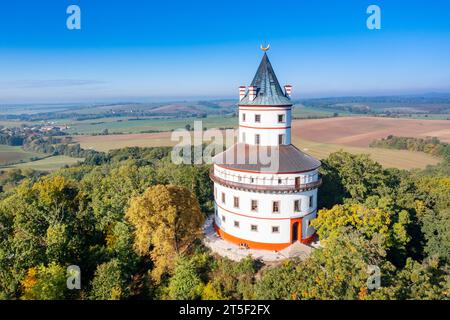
x=268, y=89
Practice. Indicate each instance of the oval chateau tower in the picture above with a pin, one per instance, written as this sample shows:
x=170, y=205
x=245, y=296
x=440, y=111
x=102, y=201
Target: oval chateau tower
x=261, y=204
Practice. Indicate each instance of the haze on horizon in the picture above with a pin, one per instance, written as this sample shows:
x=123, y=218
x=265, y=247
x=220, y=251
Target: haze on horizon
x=141, y=51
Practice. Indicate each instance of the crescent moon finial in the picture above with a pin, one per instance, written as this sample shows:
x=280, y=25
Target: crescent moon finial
x=265, y=48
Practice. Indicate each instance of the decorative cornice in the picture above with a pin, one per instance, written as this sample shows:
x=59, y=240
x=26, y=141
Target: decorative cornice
x=264, y=188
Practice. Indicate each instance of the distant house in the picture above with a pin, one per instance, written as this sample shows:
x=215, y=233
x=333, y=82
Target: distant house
x=48, y=128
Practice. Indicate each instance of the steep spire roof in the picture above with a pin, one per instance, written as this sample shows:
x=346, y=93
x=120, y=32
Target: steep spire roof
x=268, y=89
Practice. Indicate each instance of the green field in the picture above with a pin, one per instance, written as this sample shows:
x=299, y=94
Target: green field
x=136, y=126
x=131, y=125
x=48, y=164
x=16, y=157
x=11, y=155
x=300, y=111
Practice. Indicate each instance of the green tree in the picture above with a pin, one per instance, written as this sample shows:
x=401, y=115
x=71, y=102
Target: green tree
x=108, y=282
x=45, y=283
x=418, y=281
x=340, y=269
x=368, y=221
x=185, y=284
x=111, y=191
x=348, y=175
x=279, y=283
x=232, y=280
x=193, y=177
x=436, y=228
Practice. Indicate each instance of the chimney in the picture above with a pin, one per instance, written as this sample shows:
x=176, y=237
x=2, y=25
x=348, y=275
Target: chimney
x=288, y=90
x=251, y=93
x=242, y=92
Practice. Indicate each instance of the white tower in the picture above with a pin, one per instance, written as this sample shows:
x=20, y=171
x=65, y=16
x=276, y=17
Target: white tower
x=258, y=204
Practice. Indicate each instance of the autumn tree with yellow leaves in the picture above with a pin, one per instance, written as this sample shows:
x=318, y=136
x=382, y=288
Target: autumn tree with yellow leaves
x=167, y=221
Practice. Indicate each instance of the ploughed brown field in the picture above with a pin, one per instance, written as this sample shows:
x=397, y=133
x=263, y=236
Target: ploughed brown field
x=319, y=137
x=361, y=131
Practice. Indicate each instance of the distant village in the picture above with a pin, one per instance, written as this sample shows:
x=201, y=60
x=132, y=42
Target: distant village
x=15, y=136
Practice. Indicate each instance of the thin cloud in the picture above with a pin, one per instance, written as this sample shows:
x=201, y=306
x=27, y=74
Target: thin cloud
x=49, y=83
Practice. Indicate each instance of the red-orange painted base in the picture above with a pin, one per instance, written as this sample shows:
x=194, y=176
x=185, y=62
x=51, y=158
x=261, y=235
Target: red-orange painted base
x=257, y=245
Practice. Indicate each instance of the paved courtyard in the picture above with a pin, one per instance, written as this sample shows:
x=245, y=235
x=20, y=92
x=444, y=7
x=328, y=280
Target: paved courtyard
x=235, y=253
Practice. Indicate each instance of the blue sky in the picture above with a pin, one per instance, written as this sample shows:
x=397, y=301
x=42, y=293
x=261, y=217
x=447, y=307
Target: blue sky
x=141, y=50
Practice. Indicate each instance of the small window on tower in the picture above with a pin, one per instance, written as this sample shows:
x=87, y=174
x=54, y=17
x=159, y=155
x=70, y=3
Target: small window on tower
x=276, y=207
x=281, y=139
x=254, y=227
x=223, y=218
x=243, y=117
x=257, y=118
x=257, y=139
x=275, y=229
x=311, y=201
x=254, y=205
x=236, y=224
x=281, y=118
x=223, y=197
x=297, y=205
x=236, y=202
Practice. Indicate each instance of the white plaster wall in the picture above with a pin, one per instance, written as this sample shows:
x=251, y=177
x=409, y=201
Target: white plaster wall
x=264, y=233
x=267, y=137
x=264, y=218
x=269, y=119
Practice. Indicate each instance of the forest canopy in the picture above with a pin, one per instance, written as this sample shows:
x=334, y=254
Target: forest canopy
x=131, y=221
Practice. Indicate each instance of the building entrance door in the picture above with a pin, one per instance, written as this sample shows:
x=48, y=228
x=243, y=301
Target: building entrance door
x=294, y=232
